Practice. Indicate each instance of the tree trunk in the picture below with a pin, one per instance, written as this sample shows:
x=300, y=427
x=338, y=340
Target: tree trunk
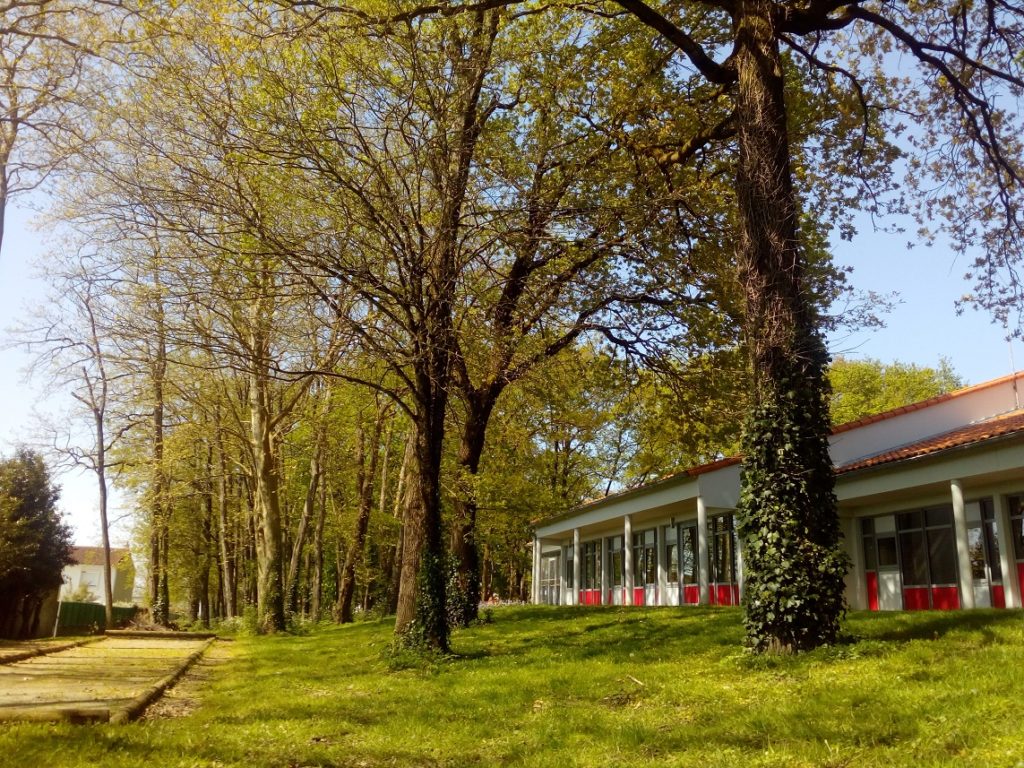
x=465, y=600
x=316, y=578
x=269, y=580
x=227, y=572
x=308, y=505
x=787, y=513
x=364, y=487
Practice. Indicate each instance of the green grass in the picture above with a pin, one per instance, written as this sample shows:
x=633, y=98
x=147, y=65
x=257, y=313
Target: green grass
x=589, y=687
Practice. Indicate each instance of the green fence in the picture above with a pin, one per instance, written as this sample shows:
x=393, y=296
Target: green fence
x=83, y=618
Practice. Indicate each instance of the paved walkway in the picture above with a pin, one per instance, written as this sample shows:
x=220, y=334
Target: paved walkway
x=113, y=679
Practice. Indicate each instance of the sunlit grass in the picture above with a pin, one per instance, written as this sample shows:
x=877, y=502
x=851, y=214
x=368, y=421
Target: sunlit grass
x=590, y=687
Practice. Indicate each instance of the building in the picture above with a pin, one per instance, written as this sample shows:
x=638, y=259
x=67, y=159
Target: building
x=83, y=579
x=931, y=498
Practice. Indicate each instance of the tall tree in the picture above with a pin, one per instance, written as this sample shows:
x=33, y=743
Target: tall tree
x=34, y=542
x=968, y=59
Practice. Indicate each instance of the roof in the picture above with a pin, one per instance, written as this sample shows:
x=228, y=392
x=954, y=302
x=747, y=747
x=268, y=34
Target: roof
x=94, y=555
x=999, y=426
x=864, y=421
x=684, y=474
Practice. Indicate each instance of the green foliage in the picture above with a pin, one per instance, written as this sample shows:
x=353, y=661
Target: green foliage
x=865, y=387
x=794, y=565
x=35, y=544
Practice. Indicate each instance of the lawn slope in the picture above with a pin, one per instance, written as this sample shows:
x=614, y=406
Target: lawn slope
x=588, y=687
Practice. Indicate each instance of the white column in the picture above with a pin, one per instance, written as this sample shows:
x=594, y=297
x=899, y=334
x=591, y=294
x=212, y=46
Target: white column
x=627, y=558
x=535, y=589
x=703, y=570
x=659, y=539
x=856, y=579
x=963, y=554
x=1007, y=562
x=739, y=566
x=604, y=571
x=577, y=566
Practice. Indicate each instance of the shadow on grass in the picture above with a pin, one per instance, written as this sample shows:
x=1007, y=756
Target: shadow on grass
x=932, y=625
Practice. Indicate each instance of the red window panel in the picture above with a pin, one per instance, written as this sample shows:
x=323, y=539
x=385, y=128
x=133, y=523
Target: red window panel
x=945, y=598
x=915, y=599
x=872, y=590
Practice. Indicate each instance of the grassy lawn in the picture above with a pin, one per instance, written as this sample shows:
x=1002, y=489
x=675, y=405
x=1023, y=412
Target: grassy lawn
x=589, y=687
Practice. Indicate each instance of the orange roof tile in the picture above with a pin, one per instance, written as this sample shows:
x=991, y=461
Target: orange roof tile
x=999, y=426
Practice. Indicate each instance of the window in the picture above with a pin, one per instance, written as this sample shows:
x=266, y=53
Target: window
x=672, y=555
x=723, y=550
x=1016, y=505
x=592, y=565
x=569, y=571
x=867, y=530
x=927, y=547
x=615, y=559
x=645, y=559
x=688, y=562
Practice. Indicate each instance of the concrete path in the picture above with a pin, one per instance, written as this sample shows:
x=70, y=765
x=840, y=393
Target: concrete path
x=113, y=679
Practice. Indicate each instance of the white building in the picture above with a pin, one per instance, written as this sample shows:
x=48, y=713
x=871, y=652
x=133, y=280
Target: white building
x=84, y=577
x=931, y=498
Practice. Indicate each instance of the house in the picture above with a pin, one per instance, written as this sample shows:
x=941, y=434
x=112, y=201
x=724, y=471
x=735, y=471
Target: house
x=83, y=579
x=931, y=501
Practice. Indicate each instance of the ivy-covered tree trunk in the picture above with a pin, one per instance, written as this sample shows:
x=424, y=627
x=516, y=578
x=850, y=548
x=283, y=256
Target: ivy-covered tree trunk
x=787, y=519
x=464, y=596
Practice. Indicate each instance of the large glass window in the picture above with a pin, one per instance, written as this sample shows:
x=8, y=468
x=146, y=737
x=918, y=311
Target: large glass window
x=569, y=572
x=688, y=555
x=927, y=547
x=672, y=555
x=592, y=565
x=723, y=550
x=645, y=559
x=1016, y=506
x=615, y=560
x=867, y=531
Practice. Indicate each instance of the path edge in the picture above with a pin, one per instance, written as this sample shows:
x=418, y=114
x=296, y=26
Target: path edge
x=138, y=705
x=16, y=657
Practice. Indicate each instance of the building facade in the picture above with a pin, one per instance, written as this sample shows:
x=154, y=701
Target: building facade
x=931, y=501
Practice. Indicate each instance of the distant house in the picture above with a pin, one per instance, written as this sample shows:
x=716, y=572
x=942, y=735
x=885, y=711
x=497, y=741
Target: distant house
x=931, y=503
x=83, y=579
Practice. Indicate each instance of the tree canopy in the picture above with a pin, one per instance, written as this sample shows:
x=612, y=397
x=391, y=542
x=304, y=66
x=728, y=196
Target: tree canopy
x=35, y=544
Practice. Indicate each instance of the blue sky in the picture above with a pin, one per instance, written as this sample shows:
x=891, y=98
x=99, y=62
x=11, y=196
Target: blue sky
x=923, y=328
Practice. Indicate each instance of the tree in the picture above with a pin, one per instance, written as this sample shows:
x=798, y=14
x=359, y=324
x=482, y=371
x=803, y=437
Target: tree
x=35, y=544
x=865, y=387
x=45, y=50
x=969, y=61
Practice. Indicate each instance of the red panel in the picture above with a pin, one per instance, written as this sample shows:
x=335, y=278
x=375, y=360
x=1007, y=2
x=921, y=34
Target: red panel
x=691, y=594
x=945, y=598
x=639, y=596
x=872, y=590
x=998, y=596
x=915, y=599
x=722, y=594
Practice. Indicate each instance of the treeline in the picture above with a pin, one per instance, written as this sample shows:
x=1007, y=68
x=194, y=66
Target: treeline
x=346, y=311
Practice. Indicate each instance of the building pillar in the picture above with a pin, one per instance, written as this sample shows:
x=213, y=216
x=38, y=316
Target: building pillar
x=1007, y=561
x=661, y=544
x=963, y=555
x=739, y=565
x=627, y=558
x=703, y=569
x=856, y=579
x=535, y=589
x=577, y=566
x=605, y=586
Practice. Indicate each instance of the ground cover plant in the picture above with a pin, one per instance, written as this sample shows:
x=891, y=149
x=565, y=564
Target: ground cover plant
x=542, y=686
